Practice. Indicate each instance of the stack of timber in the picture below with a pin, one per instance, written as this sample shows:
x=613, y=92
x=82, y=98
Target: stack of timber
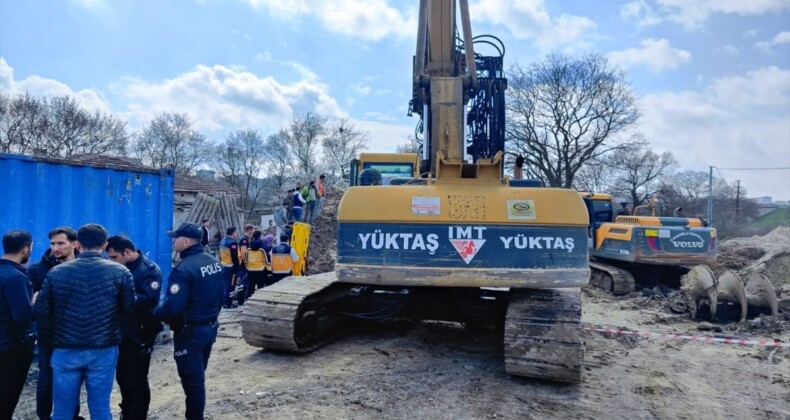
x=220, y=209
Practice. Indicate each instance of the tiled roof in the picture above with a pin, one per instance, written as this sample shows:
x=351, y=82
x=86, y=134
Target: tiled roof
x=196, y=184
x=99, y=161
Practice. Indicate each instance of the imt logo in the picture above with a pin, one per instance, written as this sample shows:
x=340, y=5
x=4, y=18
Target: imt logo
x=466, y=240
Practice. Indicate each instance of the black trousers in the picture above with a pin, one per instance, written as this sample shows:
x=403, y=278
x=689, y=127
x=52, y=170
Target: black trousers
x=14, y=364
x=44, y=383
x=134, y=359
x=256, y=280
x=191, y=349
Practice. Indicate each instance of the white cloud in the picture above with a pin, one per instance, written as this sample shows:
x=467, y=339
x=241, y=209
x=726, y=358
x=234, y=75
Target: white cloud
x=385, y=136
x=729, y=49
x=764, y=87
x=692, y=13
x=361, y=89
x=367, y=19
x=780, y=38
x=751, y=33
x=218, y=97
x=639, y=11
x=737, y=121
x=529, y=19
x=263, y=57
x=655, y=54
x=376, y=19
x=40, y=86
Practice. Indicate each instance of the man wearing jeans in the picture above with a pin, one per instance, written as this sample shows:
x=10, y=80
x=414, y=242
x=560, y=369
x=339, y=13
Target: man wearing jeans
x=62, y=248
x=85, y=298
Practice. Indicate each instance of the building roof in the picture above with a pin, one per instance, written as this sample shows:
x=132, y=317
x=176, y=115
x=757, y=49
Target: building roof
x=99, y=161
x=193, y=183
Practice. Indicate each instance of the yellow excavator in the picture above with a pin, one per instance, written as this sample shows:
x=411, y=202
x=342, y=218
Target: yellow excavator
x=653, y=250
x=460, y=243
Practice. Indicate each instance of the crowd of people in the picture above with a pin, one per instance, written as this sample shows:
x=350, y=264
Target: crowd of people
x=93, y=306
x=302, y=203
x=253, y=260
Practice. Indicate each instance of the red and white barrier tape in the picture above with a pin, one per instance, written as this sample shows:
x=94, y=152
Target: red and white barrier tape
x=682, y=337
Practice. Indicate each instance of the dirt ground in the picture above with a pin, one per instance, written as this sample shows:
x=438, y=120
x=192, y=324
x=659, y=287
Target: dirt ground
x=441, y=370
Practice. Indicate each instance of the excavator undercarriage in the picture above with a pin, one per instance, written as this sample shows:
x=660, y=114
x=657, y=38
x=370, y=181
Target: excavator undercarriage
x=541, y=327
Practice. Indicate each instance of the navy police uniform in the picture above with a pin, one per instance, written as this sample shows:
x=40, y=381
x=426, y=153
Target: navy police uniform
x=139, y=332
x=191, y=305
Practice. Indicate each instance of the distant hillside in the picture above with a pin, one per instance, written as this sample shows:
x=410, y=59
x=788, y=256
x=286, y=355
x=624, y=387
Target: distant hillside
x=774, y=219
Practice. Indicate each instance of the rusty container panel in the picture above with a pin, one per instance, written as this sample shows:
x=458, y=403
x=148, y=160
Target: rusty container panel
x=41, y=194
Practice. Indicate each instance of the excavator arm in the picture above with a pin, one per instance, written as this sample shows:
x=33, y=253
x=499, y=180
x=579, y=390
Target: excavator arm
x=451, y=91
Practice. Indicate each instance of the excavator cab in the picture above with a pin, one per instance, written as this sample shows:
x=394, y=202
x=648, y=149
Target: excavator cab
x=391, y=167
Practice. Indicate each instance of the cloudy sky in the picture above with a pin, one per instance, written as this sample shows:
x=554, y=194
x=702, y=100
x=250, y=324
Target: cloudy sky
x=713, y=76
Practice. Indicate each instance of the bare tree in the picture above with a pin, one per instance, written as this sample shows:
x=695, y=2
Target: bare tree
x=341, y=146
x=304, y=136
x=411, y=146
x=563, y=112
x=107, y=136
x=240, y=160
x=170, y=140
x=23, y=122
x=60, y=126
x=637, y=170
x=594, y=176
x=277, y=155
x=688, y=190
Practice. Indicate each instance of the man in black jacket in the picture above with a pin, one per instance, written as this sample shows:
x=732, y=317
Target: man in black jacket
x=86, y=298
x=62, y=248
x=194, y=297
x=16, y=351
x=138, y=330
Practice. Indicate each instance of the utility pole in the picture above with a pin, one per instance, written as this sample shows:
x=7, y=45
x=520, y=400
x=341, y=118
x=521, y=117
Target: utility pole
x=737, y=201
x=710, y=195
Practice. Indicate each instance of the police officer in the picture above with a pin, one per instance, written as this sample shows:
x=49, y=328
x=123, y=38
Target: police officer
x=138, y=330
x=191, y=305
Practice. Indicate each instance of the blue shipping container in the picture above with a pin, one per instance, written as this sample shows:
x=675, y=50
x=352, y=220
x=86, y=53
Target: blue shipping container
x=43, y=193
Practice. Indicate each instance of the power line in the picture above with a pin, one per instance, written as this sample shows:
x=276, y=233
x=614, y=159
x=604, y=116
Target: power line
x=752, y=169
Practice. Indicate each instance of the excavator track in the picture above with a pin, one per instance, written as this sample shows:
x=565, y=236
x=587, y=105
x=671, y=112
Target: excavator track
x=613, y=279
x=290, y=315
x=543, y=334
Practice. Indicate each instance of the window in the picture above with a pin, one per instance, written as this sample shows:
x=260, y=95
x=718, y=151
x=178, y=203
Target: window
x=391, y=170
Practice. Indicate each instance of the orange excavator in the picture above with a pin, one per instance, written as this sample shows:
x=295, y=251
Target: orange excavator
x=653, y=250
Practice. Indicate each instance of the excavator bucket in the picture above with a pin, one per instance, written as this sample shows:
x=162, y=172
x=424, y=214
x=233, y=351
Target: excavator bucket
x=699, y=286
x=761, y=296
x=732, y=296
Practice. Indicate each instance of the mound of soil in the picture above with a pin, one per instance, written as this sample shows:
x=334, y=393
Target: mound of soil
x=768, y=255
x=323, y=236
